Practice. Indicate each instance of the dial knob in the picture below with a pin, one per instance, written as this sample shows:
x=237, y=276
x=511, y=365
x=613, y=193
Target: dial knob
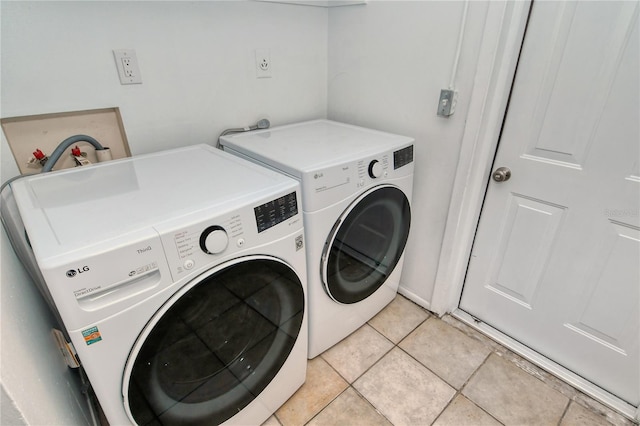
x=375, y=169
x=214, y=240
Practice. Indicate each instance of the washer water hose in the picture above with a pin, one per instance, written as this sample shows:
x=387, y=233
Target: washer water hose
x=262, y=124
x=57, y=153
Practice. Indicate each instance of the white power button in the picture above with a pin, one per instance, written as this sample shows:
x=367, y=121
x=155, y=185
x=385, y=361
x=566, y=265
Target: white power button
x=188, y=264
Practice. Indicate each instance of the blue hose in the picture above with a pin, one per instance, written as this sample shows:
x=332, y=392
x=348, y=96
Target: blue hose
x=57, y=153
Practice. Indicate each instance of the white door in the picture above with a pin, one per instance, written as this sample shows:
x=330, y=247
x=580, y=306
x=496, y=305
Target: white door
x=556, y=259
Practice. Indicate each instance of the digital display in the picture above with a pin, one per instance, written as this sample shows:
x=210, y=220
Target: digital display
x=276, y=211
x=402, y=157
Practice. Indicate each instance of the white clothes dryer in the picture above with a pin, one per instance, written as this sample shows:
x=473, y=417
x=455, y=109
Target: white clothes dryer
x=356, y=193
x=180, y=278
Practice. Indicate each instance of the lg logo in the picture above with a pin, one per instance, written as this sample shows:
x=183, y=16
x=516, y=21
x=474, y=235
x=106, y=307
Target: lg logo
x=73, y=272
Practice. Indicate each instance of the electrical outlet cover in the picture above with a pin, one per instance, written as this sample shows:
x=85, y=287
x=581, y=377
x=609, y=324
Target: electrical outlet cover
x=127, y=65
x=263, y=63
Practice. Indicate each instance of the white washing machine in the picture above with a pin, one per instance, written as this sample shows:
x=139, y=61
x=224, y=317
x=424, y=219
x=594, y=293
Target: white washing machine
x=180, y=278
x=356, y=192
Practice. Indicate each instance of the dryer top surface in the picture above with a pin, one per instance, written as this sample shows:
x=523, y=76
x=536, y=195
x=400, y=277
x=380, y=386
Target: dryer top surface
x=313, y=145
x=69, y=209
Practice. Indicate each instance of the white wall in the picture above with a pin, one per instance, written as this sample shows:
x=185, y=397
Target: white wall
x=197, y=66
x=34, y=375
x=9, y=414
x=388, y=61
x=196, y=60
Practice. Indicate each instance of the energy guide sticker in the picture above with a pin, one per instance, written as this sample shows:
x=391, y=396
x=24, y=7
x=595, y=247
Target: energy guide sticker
x=91, y=335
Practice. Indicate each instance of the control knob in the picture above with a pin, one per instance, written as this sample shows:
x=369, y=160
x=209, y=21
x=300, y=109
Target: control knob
x=375, y=169
x=214, y=240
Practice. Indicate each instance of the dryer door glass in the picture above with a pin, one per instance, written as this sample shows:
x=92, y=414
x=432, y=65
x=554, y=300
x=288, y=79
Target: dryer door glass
x=366, y=244
x=217, y=346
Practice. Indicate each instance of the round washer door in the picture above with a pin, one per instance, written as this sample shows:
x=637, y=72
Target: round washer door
x=366, y=244
x=215, y=345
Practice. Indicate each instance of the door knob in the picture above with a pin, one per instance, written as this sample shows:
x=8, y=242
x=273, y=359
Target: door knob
x=501, y=174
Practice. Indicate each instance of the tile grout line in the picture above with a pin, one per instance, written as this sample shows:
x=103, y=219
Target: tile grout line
x=458, y=392
x=564, y=413
x=350, y=384
x=429, y=317
x=371, y=405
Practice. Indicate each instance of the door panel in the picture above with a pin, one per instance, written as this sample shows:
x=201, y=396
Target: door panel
x=529, y=230
x=555, y=263
x=608, y=307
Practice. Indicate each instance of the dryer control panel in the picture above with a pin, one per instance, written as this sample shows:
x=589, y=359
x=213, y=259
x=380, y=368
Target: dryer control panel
x=402, y=157
x=333, y=184
x=372, y=169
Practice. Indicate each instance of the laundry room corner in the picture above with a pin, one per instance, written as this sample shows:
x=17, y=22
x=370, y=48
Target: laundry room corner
x=309, y=199
x=388, y=62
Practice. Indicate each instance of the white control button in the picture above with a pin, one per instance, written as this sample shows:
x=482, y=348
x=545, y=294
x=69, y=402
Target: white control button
x=240, y=242
x=188, y=264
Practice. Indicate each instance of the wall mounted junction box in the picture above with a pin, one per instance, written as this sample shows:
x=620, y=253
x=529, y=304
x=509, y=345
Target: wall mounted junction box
x=447, y=102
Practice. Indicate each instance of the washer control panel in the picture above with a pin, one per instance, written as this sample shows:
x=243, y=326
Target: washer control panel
x=203, y=238
x=276, y=211
x=191, y=247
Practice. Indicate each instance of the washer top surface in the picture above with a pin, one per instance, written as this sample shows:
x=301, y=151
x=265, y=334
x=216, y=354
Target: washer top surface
x=312, y=145
x=72, y=208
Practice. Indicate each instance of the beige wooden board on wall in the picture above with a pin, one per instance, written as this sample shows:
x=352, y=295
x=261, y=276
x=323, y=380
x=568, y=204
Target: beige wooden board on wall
x=46, y=131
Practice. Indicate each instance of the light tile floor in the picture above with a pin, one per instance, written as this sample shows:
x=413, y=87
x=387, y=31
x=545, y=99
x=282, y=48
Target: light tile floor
x=408, y=367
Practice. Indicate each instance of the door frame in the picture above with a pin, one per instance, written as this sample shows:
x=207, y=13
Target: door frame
x=502, y=39
x=499, y=52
